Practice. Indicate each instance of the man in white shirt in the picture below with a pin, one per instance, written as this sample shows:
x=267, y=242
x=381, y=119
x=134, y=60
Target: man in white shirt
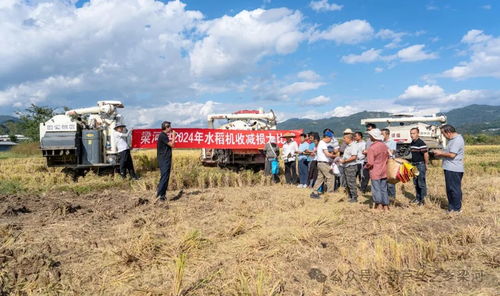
x=120, y=136
x=324, y=157
x=290, y=149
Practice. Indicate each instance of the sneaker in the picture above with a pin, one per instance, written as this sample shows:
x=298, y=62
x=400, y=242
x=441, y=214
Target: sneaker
x=162, y=198
x=299, y=186
x=314, y=195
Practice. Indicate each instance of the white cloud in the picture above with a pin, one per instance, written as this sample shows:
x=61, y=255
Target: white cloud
x=343, y=111
x=318, y=101
x=38, y=91
x=418, y=100
x=323, y=5
x=410, y=54
x=415, y=53
x=484, y=60
x=308, y=75
x=350, y=32
x=114, y=48
x=475, y=36
x=395, y=37
x=299, y=87
x=486, y=7
x=138, y=51
x=368, y=56
x=378, y=69
x=434, y=95
x=426, y=92
x=233, y=45
x=185, y=114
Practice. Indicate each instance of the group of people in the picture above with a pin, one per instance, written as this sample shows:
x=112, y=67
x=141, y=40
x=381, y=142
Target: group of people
x=324, y=166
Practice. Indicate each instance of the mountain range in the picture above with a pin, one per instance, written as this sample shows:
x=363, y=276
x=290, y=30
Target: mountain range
x=472, y=119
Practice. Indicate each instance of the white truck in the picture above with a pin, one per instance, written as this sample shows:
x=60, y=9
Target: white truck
x=401, y=124
x=81, y=139
x=240, y=120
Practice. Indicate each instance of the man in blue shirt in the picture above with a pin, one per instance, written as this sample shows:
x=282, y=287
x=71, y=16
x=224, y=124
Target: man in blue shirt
x=453, y=166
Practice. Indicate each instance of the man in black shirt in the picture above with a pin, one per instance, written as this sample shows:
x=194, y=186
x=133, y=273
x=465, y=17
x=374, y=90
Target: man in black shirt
x=420, y=159
x=164, y=156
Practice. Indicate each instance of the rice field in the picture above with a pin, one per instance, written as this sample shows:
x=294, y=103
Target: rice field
x=233, y=233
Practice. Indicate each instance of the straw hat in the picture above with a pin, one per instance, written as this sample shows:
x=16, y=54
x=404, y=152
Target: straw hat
x=288, y=135
x=120, y=125
x=376, y=134
x=348, y=131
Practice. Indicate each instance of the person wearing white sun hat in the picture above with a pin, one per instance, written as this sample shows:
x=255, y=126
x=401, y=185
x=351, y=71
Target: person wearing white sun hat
x=377, y=165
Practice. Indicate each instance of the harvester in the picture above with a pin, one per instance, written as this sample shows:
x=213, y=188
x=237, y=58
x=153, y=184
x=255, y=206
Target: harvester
x=81, y=139
x=400, y=126
x=239, y=158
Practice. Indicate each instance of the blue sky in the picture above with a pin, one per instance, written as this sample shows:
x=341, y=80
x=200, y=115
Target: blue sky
x=182, y=60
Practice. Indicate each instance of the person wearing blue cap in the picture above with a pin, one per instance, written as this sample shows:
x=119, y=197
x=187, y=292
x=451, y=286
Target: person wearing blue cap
x=323, y=157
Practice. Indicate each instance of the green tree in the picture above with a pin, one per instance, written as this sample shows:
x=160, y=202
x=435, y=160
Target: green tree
x=32, y=117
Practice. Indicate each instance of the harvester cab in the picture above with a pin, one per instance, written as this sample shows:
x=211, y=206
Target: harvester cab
x=401, y=124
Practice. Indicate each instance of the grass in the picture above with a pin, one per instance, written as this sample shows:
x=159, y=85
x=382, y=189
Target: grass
x=236, y=234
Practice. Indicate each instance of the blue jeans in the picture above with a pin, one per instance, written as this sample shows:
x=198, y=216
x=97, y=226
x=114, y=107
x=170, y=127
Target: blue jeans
x=303, y=170
x=453, y=182
x=419, y=182
x=379, y=192
x=391, y=190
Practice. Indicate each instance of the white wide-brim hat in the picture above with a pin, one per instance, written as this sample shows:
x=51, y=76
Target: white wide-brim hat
x=376, y=134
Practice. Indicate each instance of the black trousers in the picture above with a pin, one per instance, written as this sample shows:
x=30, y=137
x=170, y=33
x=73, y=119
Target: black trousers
x=126, y=164
x=165, y=167
x=291, y=172
x=313, y=173
x=453, y=182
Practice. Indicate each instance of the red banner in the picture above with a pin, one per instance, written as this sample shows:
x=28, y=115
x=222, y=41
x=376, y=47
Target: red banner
x=212, y=138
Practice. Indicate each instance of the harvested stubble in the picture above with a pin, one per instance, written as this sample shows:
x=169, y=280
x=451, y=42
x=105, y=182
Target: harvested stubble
x=251, y=240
